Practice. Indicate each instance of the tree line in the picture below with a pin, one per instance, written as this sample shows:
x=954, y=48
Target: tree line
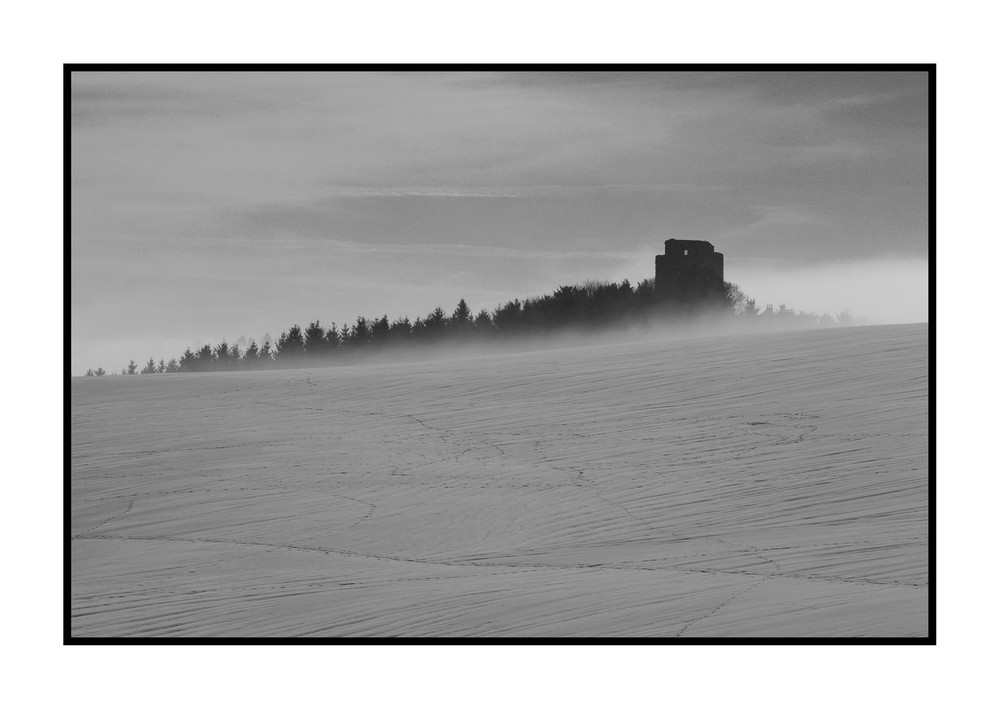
x=590, y=306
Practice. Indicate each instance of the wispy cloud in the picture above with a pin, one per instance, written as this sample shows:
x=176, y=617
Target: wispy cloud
x=460, y=191
x=202, y=173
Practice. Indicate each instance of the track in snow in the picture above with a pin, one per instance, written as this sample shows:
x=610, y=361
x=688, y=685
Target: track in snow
x=766, y=485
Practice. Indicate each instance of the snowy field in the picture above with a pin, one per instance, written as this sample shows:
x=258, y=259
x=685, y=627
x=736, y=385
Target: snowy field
x=739, y=486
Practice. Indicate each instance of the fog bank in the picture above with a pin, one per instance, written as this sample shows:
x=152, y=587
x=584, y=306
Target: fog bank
x=882, y=291
x=267, y=292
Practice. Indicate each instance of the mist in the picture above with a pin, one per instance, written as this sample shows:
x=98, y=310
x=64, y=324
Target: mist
x=886, y=290
x=882, y=291
x=621, y=490
x=218, y=204
x=632, y=329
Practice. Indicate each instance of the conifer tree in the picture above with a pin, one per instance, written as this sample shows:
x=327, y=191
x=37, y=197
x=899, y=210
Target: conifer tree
x=189, y=361
x=266, y=357
x=250, y=356
x=291, y=346
x=418, y=331
x=221, y=355
x=462, y=312
x=360, y=334
x=379, y=333
x=589, y=305
x=483, y=322
x=506, y=317
x=315, y=339
x=400, y=331
x=434, y=324
x=333, y=341
x=205, y=362
x=460, y=324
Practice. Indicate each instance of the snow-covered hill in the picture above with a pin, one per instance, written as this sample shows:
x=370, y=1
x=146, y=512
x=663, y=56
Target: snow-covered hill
x=759, y=485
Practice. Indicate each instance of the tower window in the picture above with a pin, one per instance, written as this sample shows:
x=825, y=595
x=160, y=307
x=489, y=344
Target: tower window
x=685, y=252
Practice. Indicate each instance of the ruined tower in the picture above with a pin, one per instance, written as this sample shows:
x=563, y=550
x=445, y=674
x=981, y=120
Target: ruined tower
x=689, y=273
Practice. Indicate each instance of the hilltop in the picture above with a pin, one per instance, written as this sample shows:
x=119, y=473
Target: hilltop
x=753, y=485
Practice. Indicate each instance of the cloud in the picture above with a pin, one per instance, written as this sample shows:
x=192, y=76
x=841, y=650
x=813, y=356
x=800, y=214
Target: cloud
x=182, y=182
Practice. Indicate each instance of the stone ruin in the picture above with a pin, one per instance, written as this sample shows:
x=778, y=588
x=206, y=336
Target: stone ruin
x=689, y=273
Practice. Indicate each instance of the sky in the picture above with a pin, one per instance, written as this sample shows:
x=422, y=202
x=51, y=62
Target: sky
x=211, y=205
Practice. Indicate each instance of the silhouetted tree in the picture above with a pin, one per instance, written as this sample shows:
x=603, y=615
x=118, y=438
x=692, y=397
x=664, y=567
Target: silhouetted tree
x=221, y=355
x=434, y=324
x=150, y=367
x=484, y=323
x=250, y=355
x=132, y=366
x=646, y=291
x=315, y=339
x=507, y=317
x=173, y=366
x=359, y=335
x=291, y=347
x=90, y=372
x=461, y=324
x=332, y=339
x=99, y=372
x=591, y=305
x=266, y=358
x=204, y=361
x=380, y=331
x=735, y=299
x=418, y=331
x=189, y=361
x=400, y=331
x=161, y=368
